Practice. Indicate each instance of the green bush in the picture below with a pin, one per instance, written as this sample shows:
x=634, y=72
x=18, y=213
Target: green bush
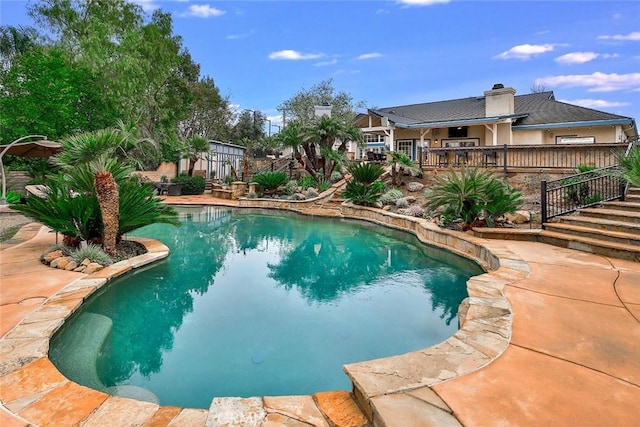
x=631, y=166
x=190, y=184
x=76, y=214
x=270, y=181
x=306, y=182
x=92, y=252
x=391, y=196
x=364, y=188
x=13, y=197
x=471, y=194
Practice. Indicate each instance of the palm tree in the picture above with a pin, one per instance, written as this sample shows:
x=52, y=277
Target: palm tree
x=399, y=163
x=193, y=148
x=95, y=151
x=319, y=139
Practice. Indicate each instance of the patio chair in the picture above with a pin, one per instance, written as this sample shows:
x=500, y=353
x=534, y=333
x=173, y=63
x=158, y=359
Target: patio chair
x=489, y=158
x=371, y=156
x=462, y=157
x=443, y=158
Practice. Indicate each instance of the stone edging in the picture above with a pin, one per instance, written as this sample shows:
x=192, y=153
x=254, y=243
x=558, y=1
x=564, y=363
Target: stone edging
x=485, y=317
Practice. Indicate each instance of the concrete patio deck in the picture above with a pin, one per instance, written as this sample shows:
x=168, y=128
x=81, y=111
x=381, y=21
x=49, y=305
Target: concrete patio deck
x=573, y=357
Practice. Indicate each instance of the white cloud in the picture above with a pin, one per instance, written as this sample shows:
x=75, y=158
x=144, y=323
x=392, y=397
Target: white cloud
x=577, y=57
x=595, y=82
x=293, y=55
x=371, y=55
x=346, y=72
x=326, y=63
x=240, y=36
x=147, y=5
x=596, y=103
x=420, y=2
x=202, y=11
x=525, y=51
x=635, y=37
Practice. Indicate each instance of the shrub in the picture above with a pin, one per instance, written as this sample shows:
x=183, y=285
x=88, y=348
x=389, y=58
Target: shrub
x=92, y=252
x=500, y=199
x=413, y=210
x=190, y=184
x=311, y=193
x=270, y=181
x=335, y=176
x=13, y=197
x=77, y=215
x=324, y=185
x=229, y=179
x=471, y=194
x=402, y=203
x=631, y=166
x=291, y=187
x=364, y=188
x=391, y=196
x=306, y=182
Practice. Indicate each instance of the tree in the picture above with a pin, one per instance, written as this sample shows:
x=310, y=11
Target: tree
x=193, y=149
x=209, y=114
x=399, y=163
x=15, y=41
x=96, y=151
x=46, y=92
x=140, y=65
x=301, y=106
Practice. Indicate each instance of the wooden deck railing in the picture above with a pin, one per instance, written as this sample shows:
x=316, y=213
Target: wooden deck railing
x=534, y=157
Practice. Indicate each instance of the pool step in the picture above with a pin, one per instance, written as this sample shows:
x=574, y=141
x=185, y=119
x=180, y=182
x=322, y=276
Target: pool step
x=330, y=408
x=76, y=354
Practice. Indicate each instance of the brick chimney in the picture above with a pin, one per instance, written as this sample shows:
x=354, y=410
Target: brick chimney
x=499, y=101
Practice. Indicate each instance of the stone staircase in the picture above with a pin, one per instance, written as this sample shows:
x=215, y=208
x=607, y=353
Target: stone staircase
x=612, y=229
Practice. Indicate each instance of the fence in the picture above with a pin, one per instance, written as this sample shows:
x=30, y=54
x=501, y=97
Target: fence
x=568, y=194
x=538, y=157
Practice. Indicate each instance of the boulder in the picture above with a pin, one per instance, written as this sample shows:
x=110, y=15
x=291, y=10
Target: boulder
x=92, y=268
x=52, y=255
x=60, y=263
x=519, y=217
x=72, y=265
x=414, y=186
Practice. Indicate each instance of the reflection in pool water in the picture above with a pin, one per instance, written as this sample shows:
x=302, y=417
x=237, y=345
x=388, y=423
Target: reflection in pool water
x=254, y=303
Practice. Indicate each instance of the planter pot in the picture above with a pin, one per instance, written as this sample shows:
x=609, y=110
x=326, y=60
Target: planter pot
x=174, y=189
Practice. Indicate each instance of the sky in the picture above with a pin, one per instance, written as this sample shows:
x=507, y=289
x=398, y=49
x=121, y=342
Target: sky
x=399, y=52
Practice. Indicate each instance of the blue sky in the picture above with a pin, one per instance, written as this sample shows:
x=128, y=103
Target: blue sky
x=389, y=53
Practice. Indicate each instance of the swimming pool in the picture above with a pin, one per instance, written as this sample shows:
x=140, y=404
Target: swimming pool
x=262, y=303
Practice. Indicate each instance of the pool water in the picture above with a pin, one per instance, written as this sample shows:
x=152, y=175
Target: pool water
x=254, y=303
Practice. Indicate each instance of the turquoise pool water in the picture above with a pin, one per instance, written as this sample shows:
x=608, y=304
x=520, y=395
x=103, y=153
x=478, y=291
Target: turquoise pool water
x=254, y=303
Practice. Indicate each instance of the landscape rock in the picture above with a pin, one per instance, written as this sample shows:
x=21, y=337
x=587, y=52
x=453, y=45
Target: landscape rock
x=519, y=217
x=52, y=255
x=415, y=186
x=72, y=265
x=60, y=263
x=92, y=268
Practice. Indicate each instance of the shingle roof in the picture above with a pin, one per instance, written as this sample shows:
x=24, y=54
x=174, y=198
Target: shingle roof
x=537, y=109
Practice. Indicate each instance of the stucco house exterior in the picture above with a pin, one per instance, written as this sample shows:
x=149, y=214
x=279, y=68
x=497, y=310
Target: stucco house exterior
x=497, y=118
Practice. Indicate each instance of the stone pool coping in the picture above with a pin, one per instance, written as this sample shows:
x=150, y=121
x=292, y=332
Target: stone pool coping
x=485, y=331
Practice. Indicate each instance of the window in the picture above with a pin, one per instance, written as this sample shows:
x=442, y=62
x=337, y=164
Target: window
x=459, y=132
x=405, y=146
x=373, y=139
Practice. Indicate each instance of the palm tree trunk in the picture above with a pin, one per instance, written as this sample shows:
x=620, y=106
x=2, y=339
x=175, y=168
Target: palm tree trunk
x=107, y=195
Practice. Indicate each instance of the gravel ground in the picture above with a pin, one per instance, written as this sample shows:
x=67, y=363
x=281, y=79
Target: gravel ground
x=10, y=223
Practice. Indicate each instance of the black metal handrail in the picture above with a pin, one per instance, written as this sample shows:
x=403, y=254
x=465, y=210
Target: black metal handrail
x=573, y=192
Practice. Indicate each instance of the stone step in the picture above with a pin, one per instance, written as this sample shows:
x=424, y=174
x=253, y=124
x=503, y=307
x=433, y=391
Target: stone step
x=627, y=205
x=594, y=233
x=594, y=246
x=635, y=191
x=614, y=214
x=600, y=223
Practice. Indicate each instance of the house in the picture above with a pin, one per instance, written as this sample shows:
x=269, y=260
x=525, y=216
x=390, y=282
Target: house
x=496, y=119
